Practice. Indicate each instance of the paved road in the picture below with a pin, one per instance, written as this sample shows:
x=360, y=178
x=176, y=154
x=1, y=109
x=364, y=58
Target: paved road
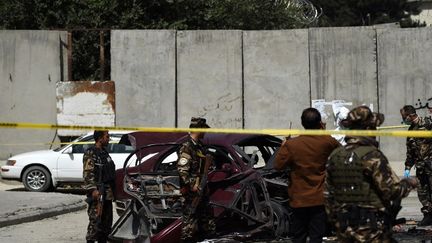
x=19, y=205
x=50, y=216
x=64, y=228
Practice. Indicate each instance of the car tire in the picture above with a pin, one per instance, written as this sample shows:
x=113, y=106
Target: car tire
x=37, y=179
x=281, y=220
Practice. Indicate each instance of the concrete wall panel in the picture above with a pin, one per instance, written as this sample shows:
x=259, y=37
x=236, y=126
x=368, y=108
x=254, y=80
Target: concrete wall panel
x=30, y=66
x=143, y=67
x=343, y=66
x=404, y=64
x=276, y=78
x=209, y=76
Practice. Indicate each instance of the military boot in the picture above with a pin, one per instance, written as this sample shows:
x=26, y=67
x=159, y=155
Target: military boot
x=427, y=220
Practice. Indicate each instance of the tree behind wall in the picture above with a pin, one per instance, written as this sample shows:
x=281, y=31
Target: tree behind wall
x=78, y=16
x=367, y=12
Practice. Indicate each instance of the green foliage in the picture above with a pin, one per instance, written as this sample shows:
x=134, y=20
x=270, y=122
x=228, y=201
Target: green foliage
x=131, y=14
x=237, y=14
x=367, y=12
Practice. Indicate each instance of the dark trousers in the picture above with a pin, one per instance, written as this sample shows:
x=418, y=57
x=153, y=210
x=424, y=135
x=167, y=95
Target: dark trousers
x=424, y=189
x=309, y=221
x=197, y=224
x=99, y=229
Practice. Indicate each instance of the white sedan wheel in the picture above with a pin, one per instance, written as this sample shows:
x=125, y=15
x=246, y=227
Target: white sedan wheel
x=37, y=178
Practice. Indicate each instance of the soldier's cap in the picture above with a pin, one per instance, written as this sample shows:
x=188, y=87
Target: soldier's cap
x=198, y=122
x=363, y=118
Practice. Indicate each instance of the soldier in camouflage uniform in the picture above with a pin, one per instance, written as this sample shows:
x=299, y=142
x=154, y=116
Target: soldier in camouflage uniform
x=99, y=175
x=419, y=153
x=360, y=188
x=198, y=219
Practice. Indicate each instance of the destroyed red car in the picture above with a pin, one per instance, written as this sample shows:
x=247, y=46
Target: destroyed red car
x=247, y=196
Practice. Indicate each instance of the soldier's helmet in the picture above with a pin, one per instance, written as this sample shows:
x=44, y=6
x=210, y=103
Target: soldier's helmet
x=198, y=122
x=363, y=118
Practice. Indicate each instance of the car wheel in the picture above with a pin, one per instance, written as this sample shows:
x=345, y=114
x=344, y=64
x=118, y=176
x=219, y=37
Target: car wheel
x=37, y=179
x=281, y=220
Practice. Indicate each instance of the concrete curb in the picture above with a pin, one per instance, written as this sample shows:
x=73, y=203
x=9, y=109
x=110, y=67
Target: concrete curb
x=32, y=214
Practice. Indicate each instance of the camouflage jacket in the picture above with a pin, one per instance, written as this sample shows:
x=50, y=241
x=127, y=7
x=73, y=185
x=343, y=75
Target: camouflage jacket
x=93, y=157
x=377, y=171
x=419, y=149
x=191, y=161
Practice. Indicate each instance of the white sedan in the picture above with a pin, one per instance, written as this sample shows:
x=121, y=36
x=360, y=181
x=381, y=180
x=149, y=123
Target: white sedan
x=46, y=169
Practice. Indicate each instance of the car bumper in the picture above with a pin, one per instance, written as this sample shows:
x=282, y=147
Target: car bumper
x=10, y=172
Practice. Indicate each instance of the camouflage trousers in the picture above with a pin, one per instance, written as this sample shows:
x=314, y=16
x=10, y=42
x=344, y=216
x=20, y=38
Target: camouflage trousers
x=424, y=190
x=357, y=224
x=364, y=234
x=198, y=223
x=98, y=230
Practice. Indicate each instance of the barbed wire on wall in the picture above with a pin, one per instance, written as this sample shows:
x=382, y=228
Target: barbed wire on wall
x=308, y=13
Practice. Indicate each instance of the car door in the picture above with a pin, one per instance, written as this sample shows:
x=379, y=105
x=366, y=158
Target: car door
x=70, y=161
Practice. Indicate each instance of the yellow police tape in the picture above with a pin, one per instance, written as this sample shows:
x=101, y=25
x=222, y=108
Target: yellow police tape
x=276, y=132
x=392, y=127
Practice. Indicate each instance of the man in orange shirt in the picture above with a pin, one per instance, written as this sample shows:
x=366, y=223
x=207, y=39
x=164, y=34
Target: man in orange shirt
x=305, y=156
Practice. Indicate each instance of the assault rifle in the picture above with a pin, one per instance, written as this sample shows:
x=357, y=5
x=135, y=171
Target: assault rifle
x=289, y=136
x=202, y=182
x=395, y=205
x=393, y=210
x=102, y=194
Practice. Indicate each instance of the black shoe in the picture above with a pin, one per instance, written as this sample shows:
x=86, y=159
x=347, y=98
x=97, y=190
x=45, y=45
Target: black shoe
x=427, y=220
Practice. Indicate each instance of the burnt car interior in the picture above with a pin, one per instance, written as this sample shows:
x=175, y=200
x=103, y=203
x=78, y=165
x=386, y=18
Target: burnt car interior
x=239, y=195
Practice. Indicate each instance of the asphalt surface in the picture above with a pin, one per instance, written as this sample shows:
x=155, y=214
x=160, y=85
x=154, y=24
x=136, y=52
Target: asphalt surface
x=19, y=206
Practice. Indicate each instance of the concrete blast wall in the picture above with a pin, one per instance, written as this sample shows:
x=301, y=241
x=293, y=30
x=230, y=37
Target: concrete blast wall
x=276, y=78
x=30, y=66
x=343, y=67
x=209, y=77
x=264, y=79
x=143, y=67
x=404, y=74
x=250, y=79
